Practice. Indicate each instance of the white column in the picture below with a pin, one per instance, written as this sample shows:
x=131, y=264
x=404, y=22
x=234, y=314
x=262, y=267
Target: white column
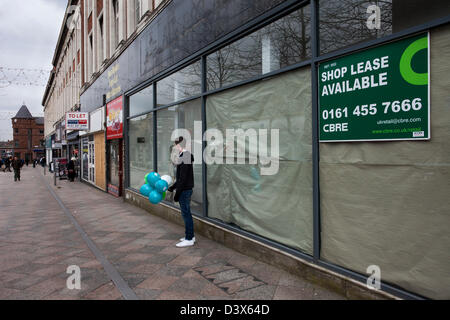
x=122, y=20
x=146, y=5
x=130, y=17
x=111, y=23
x=106, y=28
x=94, y=37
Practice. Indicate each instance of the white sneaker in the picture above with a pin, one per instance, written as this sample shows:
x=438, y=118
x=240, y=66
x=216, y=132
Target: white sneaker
x=182, y=239
x=185, y=243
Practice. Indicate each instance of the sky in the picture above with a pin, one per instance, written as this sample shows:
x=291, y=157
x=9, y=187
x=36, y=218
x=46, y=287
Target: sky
x=29, y=30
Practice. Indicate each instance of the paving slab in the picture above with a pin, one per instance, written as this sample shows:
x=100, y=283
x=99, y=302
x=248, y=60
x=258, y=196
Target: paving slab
x=122, y=251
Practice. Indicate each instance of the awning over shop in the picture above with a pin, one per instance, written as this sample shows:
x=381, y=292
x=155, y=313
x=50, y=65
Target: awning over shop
x=74, y=135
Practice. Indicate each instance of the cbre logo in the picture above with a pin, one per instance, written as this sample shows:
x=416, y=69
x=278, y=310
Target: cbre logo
x=406, y=69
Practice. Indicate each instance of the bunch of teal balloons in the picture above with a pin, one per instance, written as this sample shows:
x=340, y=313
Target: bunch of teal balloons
x=155, y=187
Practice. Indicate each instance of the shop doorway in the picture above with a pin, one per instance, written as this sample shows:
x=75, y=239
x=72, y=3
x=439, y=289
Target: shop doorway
x=91, y=162
x=115, y=167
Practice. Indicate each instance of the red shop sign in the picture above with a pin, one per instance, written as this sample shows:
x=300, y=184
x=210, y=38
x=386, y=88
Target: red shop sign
x=114, y=119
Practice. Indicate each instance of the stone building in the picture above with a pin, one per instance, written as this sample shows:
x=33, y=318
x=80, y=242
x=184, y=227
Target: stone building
x=28, y=134
x=93, y=34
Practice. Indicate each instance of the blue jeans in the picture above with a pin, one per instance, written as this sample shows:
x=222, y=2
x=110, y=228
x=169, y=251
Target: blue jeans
x=185, y=205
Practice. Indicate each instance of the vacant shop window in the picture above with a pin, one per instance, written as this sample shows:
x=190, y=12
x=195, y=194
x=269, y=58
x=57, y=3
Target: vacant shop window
x=277, y=206
x=347, y=22
x=419, y=12
x=280, y=44
x=180, y=117
x=140, y=137
x=141, y=102
x=387, y=203
x=180, y=85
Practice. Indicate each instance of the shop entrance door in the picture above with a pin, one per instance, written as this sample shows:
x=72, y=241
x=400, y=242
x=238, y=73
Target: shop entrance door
x=91, y=163
x=115, y=165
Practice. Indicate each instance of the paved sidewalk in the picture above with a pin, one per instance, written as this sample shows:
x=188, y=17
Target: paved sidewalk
x=38, y=241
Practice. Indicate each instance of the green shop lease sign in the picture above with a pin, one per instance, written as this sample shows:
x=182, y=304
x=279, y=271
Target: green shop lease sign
x=377, y=94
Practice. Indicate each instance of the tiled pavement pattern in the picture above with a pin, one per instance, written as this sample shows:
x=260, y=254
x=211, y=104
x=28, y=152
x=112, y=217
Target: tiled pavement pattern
x=38, y=242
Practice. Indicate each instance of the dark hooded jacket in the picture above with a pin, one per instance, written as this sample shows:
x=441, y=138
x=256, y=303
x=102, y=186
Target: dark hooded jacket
x=16, y=164
x=185, y=172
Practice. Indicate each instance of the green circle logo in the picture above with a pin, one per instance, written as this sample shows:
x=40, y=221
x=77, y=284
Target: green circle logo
x=410, y=76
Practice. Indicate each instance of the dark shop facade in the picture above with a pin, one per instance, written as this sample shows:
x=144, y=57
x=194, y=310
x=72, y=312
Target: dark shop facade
x=358, y=93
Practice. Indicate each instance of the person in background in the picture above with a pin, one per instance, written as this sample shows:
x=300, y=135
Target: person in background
x=17, y=165
x=183, y=185
x=7, y=165
x=71, y=169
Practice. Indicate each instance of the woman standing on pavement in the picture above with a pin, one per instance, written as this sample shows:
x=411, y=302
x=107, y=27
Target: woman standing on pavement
x=183, y=185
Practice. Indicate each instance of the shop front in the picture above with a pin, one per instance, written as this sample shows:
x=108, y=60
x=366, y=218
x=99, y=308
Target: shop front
x=86, y=155
x=38, y=152
x=73, y=142
x=56, y=154
x=115, y=167
x=88, y=160
x=114, y=136
x=93, y=150
x=349, y=118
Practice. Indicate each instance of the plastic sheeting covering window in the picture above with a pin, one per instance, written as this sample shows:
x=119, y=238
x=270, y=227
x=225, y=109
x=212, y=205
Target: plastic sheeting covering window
x=387, y=203
x=279, y=206
x=140, y=137
x=181, y=116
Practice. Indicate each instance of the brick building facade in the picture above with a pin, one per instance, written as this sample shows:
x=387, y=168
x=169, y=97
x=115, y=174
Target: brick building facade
x=28, y=134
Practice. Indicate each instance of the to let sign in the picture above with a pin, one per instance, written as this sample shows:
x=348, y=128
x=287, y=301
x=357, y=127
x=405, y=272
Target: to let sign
x=77, y=121
x=379, y=94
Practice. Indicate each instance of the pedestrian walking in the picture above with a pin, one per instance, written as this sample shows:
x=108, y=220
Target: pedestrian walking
x=17, y=165
x=183, y=185
x=7, y=165
x=71, y=169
